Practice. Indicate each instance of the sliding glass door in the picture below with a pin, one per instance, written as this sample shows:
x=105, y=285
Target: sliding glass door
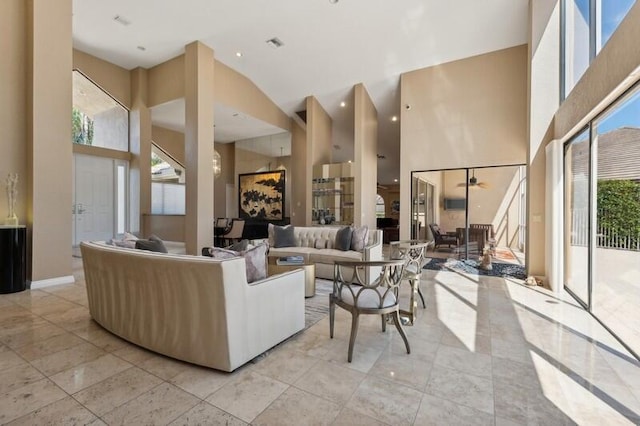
x=576, y=245
x=602, y=218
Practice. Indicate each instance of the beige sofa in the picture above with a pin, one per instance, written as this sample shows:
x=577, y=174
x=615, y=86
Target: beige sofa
x=192, y=308
x=309, y=237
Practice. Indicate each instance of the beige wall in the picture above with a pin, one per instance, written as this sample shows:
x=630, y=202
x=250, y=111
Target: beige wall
x=166, y=81
x=299, y=186
x=170, y=141
x=167, y=227
x=227, y=177
x=544, y=96
x=237, y=91
x=49, y=88
x=465, y=113
x=365, y=150
x=318, y=146
x=199, y=73
x=13, y=85
x=109, y=77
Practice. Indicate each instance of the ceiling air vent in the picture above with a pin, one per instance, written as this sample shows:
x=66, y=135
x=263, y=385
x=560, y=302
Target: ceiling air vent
x=122, y=20
x=275, y=42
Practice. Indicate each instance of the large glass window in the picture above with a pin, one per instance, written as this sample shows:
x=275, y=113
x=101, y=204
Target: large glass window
x=97, y=119
x=576, y=245
x=587, y=26
x=602, y=216
x=616, y=256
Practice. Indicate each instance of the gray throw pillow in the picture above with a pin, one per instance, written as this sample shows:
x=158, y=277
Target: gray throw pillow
x=283, y=236
x=150, y=245
x=239, y=246
x=343, y=239
x=163, y=248
x=256, y=262
x=359, y=238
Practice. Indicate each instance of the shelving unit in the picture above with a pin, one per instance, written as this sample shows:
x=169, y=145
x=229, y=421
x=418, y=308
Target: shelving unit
x=333, y=194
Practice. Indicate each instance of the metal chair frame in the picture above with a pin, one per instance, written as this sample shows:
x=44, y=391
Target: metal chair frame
x=350, y=277
x=412, y=252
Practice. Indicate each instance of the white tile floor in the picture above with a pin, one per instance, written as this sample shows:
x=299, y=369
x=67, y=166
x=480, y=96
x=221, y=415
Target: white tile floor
x=485, y=351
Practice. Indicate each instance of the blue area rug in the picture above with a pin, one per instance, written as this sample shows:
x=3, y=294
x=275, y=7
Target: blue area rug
x=471, y=267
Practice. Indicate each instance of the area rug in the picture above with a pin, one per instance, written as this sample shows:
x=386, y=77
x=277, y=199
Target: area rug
x=504, y=254
x=317, y=307
x=471, y=267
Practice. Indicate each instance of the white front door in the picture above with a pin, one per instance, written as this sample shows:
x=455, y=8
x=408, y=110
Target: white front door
x=93, y=209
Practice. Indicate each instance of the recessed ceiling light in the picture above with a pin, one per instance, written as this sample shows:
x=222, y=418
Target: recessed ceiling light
x=333, y=1
x=343, y=104
x=394, y=118
x=122, y=20
x=275, y=42
x=239, y=54
x=395, y=180
x=141, y=48
x=349, y=161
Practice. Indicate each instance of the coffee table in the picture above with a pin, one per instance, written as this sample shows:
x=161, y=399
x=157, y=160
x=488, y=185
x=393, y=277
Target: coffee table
x=309, y=274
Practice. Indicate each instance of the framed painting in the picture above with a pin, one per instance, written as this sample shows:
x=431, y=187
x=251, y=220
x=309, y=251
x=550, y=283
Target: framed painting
x=261, y=195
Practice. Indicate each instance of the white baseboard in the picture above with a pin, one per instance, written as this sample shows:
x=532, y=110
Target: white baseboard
x=35, y=285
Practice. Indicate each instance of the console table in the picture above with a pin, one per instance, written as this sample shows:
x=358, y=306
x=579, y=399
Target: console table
x=13, y=258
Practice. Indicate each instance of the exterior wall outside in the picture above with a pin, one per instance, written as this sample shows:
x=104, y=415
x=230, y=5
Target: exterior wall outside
x=466, y=113
x=390, y=194
x=111, y=129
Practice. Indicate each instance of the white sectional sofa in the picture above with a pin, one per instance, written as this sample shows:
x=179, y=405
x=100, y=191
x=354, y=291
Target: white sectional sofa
x=197, y=309
x=308, y=238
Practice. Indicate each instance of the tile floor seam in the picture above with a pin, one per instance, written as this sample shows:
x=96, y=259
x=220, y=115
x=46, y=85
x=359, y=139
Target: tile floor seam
x=128, y=401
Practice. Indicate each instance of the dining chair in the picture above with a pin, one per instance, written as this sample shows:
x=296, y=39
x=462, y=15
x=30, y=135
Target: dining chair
x=352, y=293
x=413, y=253
x=235, y=231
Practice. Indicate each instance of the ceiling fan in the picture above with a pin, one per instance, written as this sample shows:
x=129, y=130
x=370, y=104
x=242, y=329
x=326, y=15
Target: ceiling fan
x=381, y=186
x=473, y=182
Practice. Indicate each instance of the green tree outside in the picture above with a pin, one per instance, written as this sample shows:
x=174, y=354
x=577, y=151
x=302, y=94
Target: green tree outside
x=619, y=213
x=82, y=128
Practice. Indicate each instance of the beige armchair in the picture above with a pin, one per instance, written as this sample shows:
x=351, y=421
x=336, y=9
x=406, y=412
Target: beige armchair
x=352, y=293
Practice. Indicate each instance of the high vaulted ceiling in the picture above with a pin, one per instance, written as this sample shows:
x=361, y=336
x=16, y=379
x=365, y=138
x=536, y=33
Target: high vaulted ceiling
x=328, y=46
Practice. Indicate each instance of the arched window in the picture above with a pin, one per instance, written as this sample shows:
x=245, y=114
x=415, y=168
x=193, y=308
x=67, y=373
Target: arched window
x=380, y=210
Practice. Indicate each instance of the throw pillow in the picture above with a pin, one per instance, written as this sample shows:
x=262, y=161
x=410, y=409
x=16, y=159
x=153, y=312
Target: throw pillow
x=320, y=243
x=284, y=236
x=220, y=253
x=359, y=238
x=241, y=245
x=161, y=246
x=123, y=243
x=256, y=262
x=150, y=245
x=343, y=239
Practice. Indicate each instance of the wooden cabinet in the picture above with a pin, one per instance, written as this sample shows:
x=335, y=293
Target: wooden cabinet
x=13, y=259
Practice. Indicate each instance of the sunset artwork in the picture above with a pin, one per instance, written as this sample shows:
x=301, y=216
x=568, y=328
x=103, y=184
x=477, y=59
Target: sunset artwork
x=262, y=195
